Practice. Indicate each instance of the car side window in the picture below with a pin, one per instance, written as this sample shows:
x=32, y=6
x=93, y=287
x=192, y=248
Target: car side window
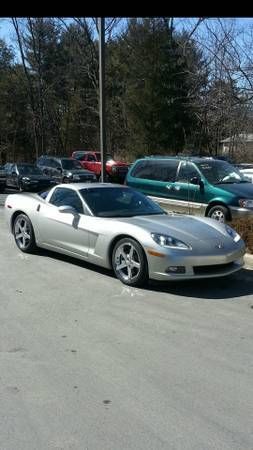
x=54, y=163
x=68, y=197
x=91, y=158
x=10, y=169
x=163, y=170
x=186, y=172
x=47, y=162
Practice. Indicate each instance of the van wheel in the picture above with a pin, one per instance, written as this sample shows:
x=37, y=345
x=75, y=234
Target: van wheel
x=220, y=213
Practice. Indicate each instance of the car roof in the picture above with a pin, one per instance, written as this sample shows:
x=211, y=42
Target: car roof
x=24, y=164
x=196, y=159
x=79, y=186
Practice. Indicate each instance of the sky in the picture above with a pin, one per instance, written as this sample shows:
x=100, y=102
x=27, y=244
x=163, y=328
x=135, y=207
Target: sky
x=8, y=34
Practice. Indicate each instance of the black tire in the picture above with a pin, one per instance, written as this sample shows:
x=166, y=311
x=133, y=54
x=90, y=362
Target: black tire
x=129, y=262
x=24, y=234
x=220, y=213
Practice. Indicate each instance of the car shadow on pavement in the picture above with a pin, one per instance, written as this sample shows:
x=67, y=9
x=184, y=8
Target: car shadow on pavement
x=232, y=286
x=74, y=261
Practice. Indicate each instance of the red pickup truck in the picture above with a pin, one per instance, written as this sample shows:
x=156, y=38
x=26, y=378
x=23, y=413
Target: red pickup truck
x=91, y=160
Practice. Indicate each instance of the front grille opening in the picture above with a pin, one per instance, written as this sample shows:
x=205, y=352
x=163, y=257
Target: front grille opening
x=214, y=268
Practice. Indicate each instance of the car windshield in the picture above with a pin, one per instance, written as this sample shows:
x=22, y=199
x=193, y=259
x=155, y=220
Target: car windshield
x=70, y=164
x=108, y=157
x=119, y=202
x=28, y=169
x=221, y=172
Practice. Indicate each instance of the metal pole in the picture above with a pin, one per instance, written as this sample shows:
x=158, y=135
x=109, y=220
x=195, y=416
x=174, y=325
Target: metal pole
x=101, y=27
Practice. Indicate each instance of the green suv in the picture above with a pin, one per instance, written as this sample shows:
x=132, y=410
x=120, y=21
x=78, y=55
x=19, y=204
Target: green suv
x=198, y=186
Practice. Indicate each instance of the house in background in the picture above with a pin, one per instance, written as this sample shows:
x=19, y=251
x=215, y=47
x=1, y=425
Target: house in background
x=238, y=147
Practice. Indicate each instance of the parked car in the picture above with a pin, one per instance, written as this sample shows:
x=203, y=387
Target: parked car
x=119, y=228
x=198, y=186
x=2, y=178
x=26, y=177
x=91, y=160
x=246, y=170
x=64, y=170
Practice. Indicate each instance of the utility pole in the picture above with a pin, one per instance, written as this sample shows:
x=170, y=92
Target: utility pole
x=101, y=27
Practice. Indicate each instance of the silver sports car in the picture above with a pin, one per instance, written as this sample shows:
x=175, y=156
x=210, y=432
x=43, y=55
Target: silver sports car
x=116, y=227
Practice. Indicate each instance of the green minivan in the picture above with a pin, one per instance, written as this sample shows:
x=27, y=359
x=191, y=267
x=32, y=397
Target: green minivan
x=193, y=185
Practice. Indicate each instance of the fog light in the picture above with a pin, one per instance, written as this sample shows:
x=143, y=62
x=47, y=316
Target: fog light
x=175, y=269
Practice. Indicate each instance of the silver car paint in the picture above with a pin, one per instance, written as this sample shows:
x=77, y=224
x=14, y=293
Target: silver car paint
x=90, y=238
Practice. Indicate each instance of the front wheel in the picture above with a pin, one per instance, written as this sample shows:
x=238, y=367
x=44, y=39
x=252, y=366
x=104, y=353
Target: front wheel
x=219, y=213
x=129, y=262
x=24, y=234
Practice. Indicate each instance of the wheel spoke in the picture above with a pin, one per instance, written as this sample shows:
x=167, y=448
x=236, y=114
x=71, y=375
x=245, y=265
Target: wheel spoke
x=129, y=273
x=121, y=266
x=136, y=264
x=130, y=254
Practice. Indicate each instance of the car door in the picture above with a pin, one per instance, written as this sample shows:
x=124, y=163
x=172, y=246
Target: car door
x=13, y=176
x=189, y=192
x=156, y=178
x=56, y=170
x=65, y=232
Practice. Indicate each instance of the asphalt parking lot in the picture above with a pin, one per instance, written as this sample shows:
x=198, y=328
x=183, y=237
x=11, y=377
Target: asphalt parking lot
x=88, y=363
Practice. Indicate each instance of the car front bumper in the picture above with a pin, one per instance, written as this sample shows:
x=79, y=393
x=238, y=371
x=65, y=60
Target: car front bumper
x=195, y=266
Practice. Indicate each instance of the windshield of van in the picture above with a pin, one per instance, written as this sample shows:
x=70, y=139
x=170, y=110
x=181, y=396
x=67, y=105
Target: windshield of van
x=220, y=172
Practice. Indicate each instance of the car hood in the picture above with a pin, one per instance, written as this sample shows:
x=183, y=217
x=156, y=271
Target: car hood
x=78, y=171
x=36, y=177
x=111, y=162
x=244, y=190
x=189, y=229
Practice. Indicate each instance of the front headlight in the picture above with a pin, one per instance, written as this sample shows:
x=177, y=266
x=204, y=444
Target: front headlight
x=26, y=179
x=169, y=241
x=232, y=233
x=244, y=203
x=69, y=174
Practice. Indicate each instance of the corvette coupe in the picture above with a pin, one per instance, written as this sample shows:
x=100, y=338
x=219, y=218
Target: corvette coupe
x=119, y=228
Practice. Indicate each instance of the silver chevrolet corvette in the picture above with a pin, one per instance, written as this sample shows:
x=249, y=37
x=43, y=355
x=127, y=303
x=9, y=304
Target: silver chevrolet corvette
x=117, y=227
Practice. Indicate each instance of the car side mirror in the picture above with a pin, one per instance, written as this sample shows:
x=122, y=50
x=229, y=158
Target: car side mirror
x=67, y=209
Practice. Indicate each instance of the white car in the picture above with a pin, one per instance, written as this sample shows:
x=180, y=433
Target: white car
x=248, y=173
x=119, y=228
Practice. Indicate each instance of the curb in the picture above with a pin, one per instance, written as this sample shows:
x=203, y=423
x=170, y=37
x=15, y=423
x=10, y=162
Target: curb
x=248, y=259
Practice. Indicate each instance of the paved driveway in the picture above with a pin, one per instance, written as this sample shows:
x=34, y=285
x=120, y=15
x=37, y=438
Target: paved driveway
x=86, y=363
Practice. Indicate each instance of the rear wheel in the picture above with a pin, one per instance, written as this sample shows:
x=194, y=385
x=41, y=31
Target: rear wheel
x=219, y=213
x=129, y=262
x=24, y=234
